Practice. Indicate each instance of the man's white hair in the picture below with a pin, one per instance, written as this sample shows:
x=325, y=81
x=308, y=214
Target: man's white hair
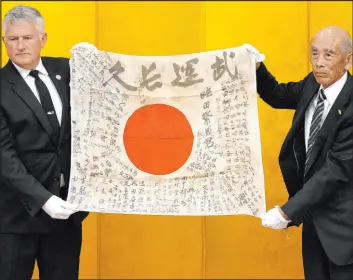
x=347, y=44
x=26, y=13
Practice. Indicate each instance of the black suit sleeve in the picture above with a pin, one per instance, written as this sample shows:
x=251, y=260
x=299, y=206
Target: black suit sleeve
x=336, y=172
x=14, y=174
x=278, y=95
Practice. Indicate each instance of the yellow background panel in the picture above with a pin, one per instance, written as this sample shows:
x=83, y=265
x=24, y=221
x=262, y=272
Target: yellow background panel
x=237, y=246
x=326, y=13
x=149, y=28
x=67, y=23
x=149, y=246
x=133, y=246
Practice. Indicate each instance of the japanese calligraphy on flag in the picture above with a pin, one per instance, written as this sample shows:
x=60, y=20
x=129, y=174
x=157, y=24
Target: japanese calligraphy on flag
x=165, y=135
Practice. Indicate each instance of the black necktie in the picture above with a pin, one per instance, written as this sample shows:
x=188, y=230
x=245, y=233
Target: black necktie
x=315, y=125
x=47, y=104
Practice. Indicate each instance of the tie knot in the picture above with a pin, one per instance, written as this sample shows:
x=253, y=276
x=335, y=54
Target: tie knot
x=322, y=95
x=34, y=73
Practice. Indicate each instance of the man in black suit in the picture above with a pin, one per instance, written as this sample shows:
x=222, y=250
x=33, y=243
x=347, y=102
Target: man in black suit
x=36, y=223
x=316, y=158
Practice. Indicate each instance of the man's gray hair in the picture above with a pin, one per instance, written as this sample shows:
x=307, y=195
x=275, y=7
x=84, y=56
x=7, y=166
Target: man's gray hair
x=347, y=44
x=26, y=13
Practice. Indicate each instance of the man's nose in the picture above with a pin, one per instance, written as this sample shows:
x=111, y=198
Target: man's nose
x=319, y=62
x=21, y=44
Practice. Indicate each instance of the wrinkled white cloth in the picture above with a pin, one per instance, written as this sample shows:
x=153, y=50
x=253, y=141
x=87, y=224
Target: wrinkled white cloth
x=84, y=45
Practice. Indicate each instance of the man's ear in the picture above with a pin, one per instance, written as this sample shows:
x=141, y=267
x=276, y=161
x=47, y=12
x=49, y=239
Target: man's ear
x=349, y=61
x=43, y=38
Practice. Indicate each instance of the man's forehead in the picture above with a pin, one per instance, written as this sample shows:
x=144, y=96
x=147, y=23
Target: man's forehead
x=20, y=27
x=327, y=43
x=20, y=23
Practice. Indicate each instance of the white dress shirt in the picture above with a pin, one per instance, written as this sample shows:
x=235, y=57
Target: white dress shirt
x=331, y=94
x=44, y=76
x=55, y=97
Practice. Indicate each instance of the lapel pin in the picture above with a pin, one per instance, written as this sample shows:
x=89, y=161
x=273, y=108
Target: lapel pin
x=58, y=77
x=339, y=112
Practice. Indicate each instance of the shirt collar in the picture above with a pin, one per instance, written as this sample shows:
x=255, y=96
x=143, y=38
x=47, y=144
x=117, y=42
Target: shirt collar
x=25, y=72
x=333, y=90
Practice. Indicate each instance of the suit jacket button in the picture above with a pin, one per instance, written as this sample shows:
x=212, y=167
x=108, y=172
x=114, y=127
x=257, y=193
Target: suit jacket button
x=56, y=178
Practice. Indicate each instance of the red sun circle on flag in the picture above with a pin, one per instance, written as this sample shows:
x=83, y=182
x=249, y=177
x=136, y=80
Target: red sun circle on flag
x=158, y=139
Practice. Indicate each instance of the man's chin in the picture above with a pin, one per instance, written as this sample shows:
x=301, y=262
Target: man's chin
x=24, y=63
x=322, y=81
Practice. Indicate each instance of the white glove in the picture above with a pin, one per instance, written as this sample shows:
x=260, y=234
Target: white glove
x=84, y=45
x=274, y=219
x=57, y=208
x=255, y=53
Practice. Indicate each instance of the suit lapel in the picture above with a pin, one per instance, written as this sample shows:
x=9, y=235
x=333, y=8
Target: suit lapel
x=332, y=118
x=21, y=88
x=298, y=121
x=61, y=87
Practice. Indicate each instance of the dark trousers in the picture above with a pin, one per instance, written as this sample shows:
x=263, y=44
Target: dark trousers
x=317, y=265
x=57, y=254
